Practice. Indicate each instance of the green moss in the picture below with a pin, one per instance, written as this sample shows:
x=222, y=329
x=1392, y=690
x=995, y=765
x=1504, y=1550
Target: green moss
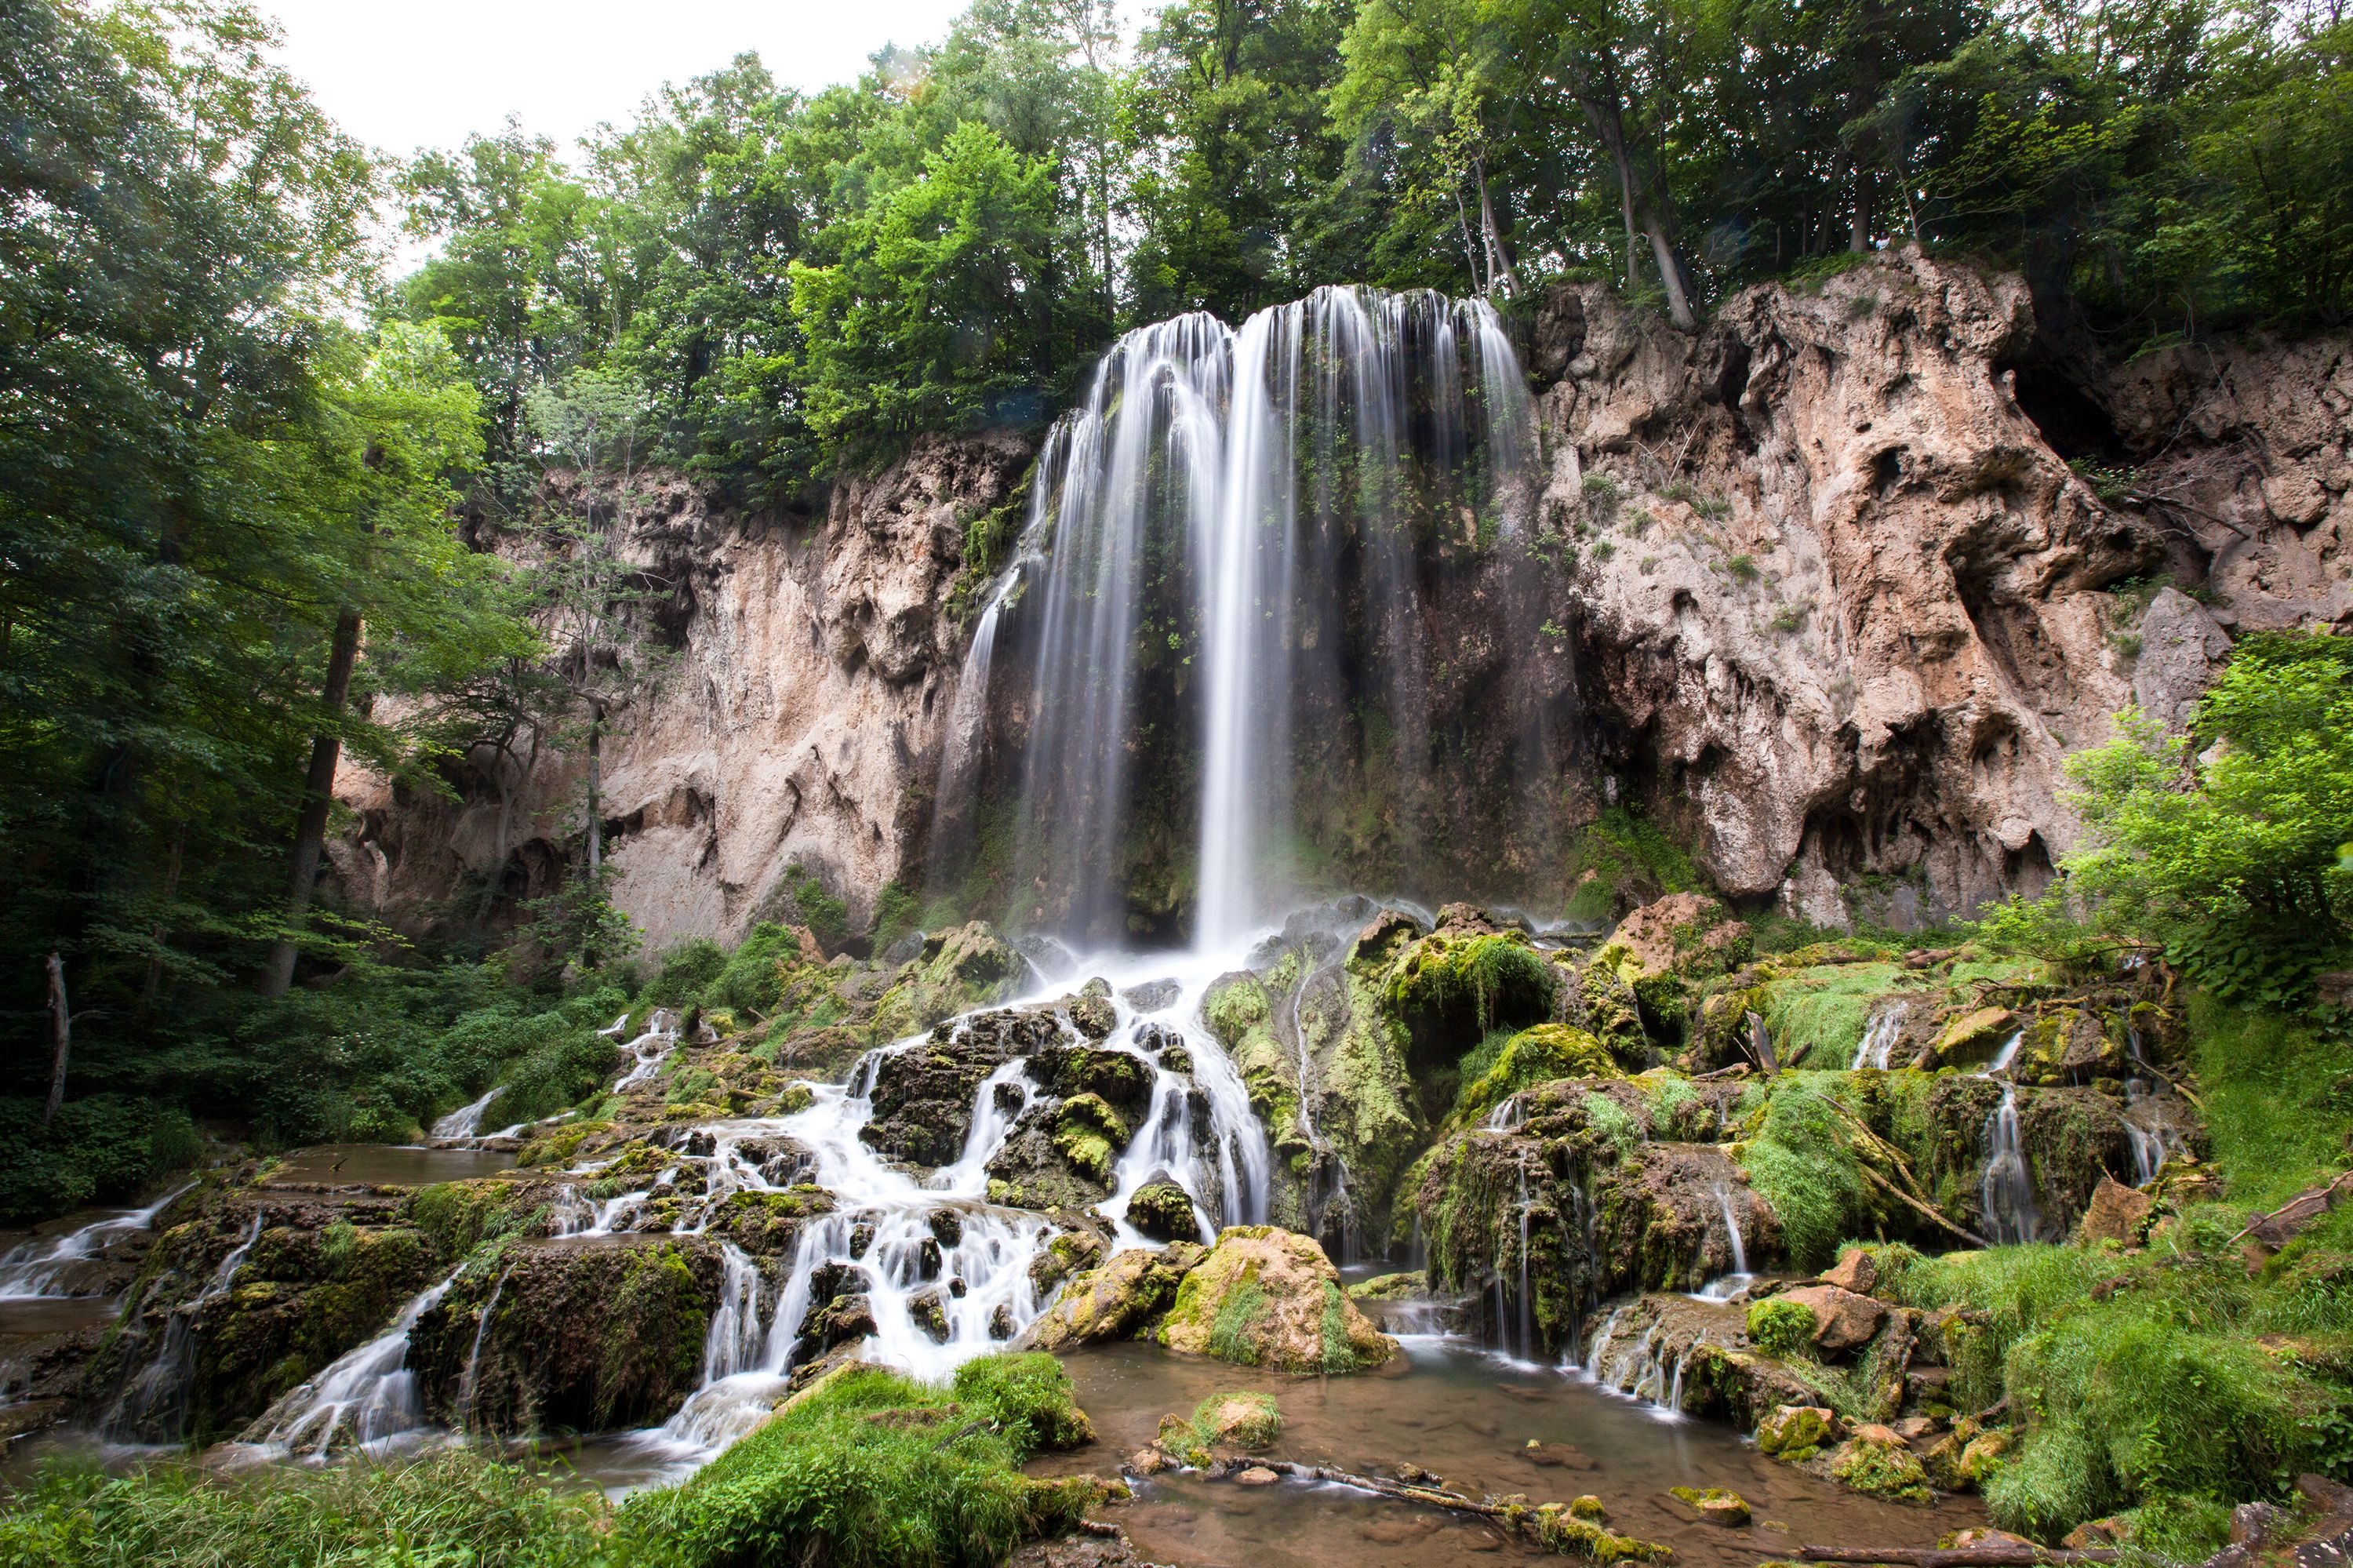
x=1799, y=1161
x=1882, y=1469
x=1781, y=1328
x=1246, y=1420
x=1088, y=1134
x=1241, y=1310
x=2278, y=1097
x=460, y=1215
x=1817, y=1015
x=1546, y=1052
x=1485, y=980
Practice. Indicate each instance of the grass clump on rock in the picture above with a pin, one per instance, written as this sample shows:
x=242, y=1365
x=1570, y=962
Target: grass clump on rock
x=868, y=1469
x=1266, y=1297
x=1244, y=1420
x=1781, y=1328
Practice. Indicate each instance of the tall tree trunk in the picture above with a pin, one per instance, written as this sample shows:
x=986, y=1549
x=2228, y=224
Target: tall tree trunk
x=318, y=801
x=62, y=1037
x=1501, y=268
x=1858, y=229
x=1641, y=213
x=595, y=788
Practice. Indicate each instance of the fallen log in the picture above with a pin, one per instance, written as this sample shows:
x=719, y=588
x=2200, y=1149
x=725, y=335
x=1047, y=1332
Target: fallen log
x=1957, y=1556
x=1549, y=1524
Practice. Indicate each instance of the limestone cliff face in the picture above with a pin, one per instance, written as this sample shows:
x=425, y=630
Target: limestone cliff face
x=1835, y=608
x=808, y=669
x=1841, y=601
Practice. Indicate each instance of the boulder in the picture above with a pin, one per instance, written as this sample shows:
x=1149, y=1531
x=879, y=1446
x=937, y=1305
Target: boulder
x=1118, y=1301
x=1797, y=1431
x=1091, y=1012
x=1163, y=1211
x=1710, y=1505
x=1843, y=1320
x=1856, y=1270
x=1875, y=1460
x=1974, y=1036
x=1683, y=933
x=1266, y=1297
x=2118, y=1213
x=922, y=1096
x=1237, y=1420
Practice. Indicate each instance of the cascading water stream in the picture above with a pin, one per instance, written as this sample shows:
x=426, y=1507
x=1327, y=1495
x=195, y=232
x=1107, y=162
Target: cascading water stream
x=43, y=1270
x=2006, y=1192
x=150, y=1405
x=1879, y=1036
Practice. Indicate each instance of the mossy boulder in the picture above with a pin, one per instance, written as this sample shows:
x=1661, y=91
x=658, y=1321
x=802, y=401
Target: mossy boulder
x=1121, y=1299
x=1685, y=934
x=1535, y=1055
x=1796, y=1432
x=1089, y=1135
x=1876, y=1461
x=1163, y=1211
x=923, y=1095
x=1248, y=1420
x=1408, y=1286
x=1975, y=1037
x=1271, y=1298
x=960, y=969
x=1711, y=1505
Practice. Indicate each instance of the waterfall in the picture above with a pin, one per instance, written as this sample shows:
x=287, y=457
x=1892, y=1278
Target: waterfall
x=650, y=1050
x=471, y=1379
x=466, y=1120
x=37, y=1270
x=367, y=1397
x=1725, y=1285
x=1219, y=582
x=1879, y=1036
x=2007, y=1190
x=151, y=1401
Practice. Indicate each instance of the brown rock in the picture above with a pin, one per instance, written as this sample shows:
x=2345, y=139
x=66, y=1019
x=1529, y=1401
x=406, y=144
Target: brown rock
x=2118, y=1213
x=1843, y=1320
x=1855, y=1270
x=1257, y=1476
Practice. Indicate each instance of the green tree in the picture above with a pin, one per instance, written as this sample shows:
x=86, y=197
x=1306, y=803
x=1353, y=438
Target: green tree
x=2224, y=844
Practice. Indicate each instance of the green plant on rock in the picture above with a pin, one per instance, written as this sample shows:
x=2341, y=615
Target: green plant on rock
x=1781, y=1328
x=1247, y=1420
x=1800, y=1163
x=1494, y=979
x=1533, y=1056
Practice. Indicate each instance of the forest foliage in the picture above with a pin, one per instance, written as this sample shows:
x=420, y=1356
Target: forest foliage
x=266, y=507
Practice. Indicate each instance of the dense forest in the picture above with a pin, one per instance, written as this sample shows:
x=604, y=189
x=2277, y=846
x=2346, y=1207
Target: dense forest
x=249, y=475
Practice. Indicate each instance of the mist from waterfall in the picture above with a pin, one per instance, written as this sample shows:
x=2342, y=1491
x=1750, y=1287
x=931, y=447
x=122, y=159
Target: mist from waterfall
x=1219, y=591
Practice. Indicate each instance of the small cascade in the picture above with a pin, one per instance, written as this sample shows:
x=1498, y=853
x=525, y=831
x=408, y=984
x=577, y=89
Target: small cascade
x=466, y=1121
x=1641, y=1369
x=40, y=1270
x=1504, y=1117
x=368, y=1397
x=2005, y=1057
x=2008, y=1188
x=1880, y=1035
x=1724, y=1286
x=651, y=1050
x=2148, y=1126
x=150, y=1405
x=471, y=1379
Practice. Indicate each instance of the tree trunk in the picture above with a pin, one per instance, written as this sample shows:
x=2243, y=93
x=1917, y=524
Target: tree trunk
x=1641, y=213
x=1859, y=231
x=61, y=1034
x=318, y=801
x=1500, y=270
x=595, y=788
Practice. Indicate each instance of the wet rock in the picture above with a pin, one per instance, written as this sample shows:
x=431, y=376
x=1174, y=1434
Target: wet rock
x=1844, y=1320
x=1148, y=1460
x=2118, y=1213
x=1114, y=1076
x=922, y=1096
x=1152, y=995
x=861, y=1237
x=1091, y=1012
x=1033, y=1170
x=947, y=1227
x=1410, y=1286
x=1271, y=1298
x=929, y=1311
x=1256, y=1476
x=1116, y=1301
x=1000, y=1322
x=1069, y=1253
x=1796, y=1432
x=845, y=1319
x=1163, y=1211
x=1711, y=1505
x=1876, y=1461
x=1975, y=1037
x=1088, y=1134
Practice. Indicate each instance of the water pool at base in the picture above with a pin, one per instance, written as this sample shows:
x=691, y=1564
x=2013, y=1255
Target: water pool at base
x=1467, y=1417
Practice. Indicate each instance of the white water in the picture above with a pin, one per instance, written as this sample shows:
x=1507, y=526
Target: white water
x=466, y=1120
x=1879, y=1036
x=650, y=1050
x=2006, y=1191
x=152, y=1399
x=1724, y=1286
x=367, y=1397
x=44, y=1270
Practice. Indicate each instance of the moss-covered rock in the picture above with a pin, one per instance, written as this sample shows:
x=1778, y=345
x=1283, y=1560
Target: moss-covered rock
x=1533, y=1056
x=1244, y=1420
x=1163, y=1211
x=1796, y=1432
x=1271, y=1298
x=1875, y=1460
x=1120, y=1299
x=1713, y=1505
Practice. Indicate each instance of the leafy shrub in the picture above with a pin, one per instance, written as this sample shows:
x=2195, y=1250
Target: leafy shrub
x=105, y=1148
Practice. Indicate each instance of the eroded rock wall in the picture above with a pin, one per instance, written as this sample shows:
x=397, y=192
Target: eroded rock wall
x=806, y=671
x=1841, y=601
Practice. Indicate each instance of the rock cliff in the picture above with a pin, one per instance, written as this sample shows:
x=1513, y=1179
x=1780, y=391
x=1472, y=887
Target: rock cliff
x=1836, y=607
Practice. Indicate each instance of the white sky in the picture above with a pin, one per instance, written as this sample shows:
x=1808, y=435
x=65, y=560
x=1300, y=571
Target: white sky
x=424, y=73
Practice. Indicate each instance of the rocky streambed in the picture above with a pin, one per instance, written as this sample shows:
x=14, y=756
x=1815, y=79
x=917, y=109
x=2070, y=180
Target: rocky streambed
x=1584, y=1184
